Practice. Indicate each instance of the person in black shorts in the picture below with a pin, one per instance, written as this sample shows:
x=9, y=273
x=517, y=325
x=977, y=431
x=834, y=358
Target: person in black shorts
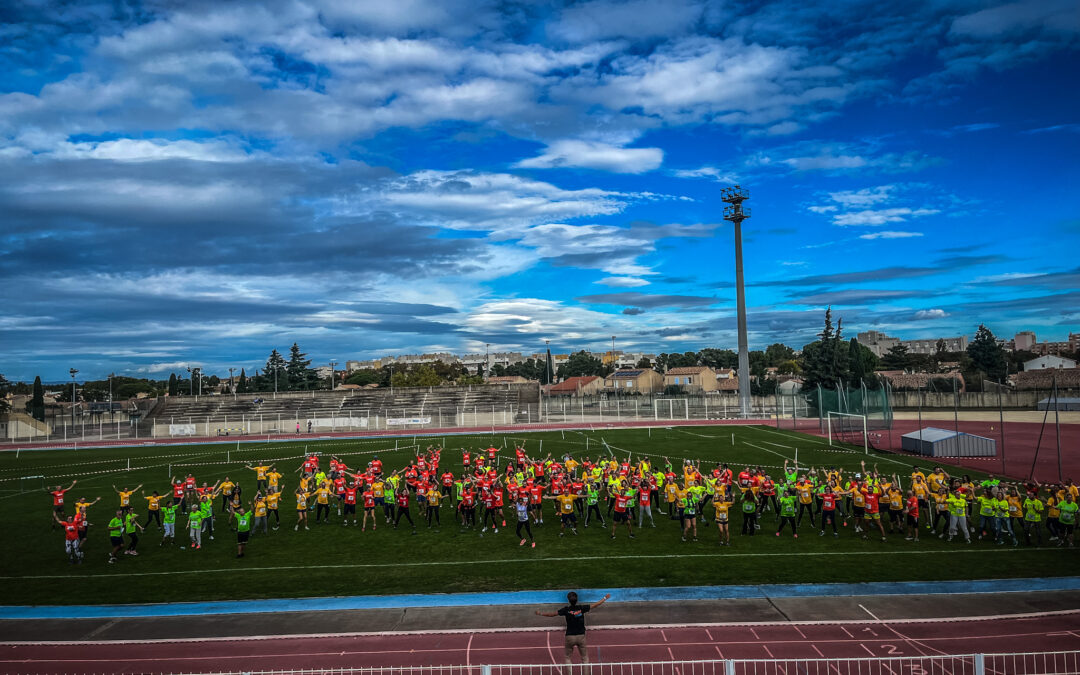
x=575, y=624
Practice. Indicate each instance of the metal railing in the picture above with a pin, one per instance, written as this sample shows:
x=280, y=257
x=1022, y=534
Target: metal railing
x=1032, y=663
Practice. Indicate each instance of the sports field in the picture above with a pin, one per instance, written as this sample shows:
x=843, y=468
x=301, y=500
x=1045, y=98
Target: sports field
x=333, y=560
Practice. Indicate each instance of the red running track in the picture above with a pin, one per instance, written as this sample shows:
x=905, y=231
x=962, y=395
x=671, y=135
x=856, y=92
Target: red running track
x=851, y=640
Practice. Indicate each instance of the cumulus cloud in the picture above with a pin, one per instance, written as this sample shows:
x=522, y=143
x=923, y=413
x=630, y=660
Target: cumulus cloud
x=595, y=155
x=927, y=314
x=890, y=234
x=622, y=282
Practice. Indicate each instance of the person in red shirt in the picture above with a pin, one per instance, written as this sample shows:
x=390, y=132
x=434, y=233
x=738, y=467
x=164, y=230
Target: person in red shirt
x=369, y=509
x=447, y=484
x=828, y=511
x=403, y=509
x=873, y=508
x=911, y=512
x=376, y=465
x=467, y=506
x=347, y=498
x=536, y=495
x=465, y=459
x=71, y=537
x=58, y=501
x=487, y=496
x=622, y=512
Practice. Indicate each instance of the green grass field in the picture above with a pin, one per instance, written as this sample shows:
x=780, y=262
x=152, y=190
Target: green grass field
x=331, y=560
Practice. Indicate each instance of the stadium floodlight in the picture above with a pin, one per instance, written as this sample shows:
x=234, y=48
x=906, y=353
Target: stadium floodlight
x=74, y=372
x=736, y=214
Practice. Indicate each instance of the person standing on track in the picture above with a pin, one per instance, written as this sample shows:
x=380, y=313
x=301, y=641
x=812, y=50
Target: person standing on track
x=575, y=625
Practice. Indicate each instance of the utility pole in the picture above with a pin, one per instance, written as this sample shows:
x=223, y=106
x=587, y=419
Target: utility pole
x=332, y=364
x=487, y=360
x=232, y=389
x=74, y=372
x=736, y=214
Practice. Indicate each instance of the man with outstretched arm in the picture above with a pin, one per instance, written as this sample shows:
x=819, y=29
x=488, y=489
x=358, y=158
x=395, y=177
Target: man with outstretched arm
x=575, y=624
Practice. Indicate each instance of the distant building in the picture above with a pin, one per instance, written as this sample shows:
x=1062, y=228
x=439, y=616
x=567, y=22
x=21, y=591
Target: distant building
x=930, y=346
x=878, y=343
x=1049, y=362
x=644, y=381
x=507, y=379
x=692, y=378
x=577, y=386
x=1024, y=341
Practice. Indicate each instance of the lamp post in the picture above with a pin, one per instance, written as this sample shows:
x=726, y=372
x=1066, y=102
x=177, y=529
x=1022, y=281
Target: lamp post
x=232, y=389
x=191, y=380
x=391, y=379
x=73, y=372
x=332, y=364
x=614, y=367
x=736, y=214
x=487, y=360
x=111, y=376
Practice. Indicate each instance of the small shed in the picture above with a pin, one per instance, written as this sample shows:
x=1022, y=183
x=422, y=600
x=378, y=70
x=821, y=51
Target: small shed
x=1062, y=404
x=933, y=442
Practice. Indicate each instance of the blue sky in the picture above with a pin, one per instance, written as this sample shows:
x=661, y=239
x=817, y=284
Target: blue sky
x=198, y=183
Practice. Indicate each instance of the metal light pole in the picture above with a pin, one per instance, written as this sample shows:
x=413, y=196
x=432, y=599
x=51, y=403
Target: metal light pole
x=232, y=389
x=487, y=360
x=736, y=214
x=73, y=372
x=332, y=364
x=191, y=381
x=111, y=376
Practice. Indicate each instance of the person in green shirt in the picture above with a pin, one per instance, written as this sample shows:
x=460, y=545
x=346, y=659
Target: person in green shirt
x=116, y=535
x=689, y=509
x=987, y=521
x=243, y=529
x=749, y=512
x=195, y=520
x=1033, y=510
x=1067, y=519
x=130, y=523
x=957, y=505
x=592, y=502
x=168, y=519
x=1001, y=514
x=787, y=512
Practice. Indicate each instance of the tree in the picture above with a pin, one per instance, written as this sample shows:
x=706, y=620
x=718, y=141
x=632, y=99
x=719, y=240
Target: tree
x=364, y=377
x=242, y=385
x=897, y=358
x=424, y=376
x=718, y=358
x=274, y=372
x=580, y=364
x=825, y=362
x=643, y=362
x=862, y=362
x=37, y=401
x=5, y=385
x=173, y=389
x=987, y=355
x=297, y=369
x=776, y=353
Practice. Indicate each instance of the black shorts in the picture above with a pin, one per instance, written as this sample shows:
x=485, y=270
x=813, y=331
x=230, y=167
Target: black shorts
x=242, y=537
x=1068, y=529
x=569, y=519
x=621, y=516
x=858, y=511
x=116, y=541
x=350, y=508
x=912, y=521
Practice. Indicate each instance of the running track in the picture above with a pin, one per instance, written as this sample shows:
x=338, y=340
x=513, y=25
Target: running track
x=777, y=640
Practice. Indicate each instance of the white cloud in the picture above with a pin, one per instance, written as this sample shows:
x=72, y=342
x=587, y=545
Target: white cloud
x=890, y=234
x=1052, y=15
x=871, y=217
x=924, y=314
x=712, y=172
x=635, y=19
x=595, y=155
x=864, y=197
x=622, y=282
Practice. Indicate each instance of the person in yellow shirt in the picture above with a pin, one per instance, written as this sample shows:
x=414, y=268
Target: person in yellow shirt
x=566, y=510
x=153, y=508
x=722, y=504
x=671, y=495
x=272, y=499
x=226, y=486
x=260, y=475
x=896, y=506
x=921, y=490
x=433, y=498
x=322, y=502
x=125, y=497
x=302, y=498
x=260, y=511
x=806, y=500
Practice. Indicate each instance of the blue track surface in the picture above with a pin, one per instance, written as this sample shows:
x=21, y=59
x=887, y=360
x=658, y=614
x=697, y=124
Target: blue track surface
x=537, y=598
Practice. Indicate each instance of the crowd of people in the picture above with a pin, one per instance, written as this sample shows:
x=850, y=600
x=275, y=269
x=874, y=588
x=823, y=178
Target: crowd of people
x=611, y=492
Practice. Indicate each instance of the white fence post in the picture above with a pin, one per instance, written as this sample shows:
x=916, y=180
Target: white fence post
x=980, y=664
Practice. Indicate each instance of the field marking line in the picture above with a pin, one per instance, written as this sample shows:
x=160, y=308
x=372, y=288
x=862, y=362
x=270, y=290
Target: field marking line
x=766, y=648
x=872, y=615
x=914, y=643
x=868, y=650
x=468, y=648
x=536, y=629
x=785, y=457
x=450, y=563
x=709, y=634
x=799, y=631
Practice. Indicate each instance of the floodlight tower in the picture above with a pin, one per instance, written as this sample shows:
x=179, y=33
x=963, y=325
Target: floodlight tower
x=736, y=214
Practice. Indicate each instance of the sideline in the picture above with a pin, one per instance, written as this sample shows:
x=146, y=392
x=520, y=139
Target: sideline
x=539, y=597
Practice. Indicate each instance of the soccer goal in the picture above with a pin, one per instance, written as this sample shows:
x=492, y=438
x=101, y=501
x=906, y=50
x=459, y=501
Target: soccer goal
x=675, y=408
x=848, y=428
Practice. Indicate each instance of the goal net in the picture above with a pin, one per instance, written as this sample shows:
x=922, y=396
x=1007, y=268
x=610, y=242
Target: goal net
x=847, y=428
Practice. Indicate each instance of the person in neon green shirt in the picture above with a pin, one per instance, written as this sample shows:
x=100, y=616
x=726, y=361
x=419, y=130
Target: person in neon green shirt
x=957, y=506
x=1067, y=519
x=787, y=512
x=195, y=523
x=168, y=519
x=592, y=504
x=987, y=521
x=130, y=523
x=1001, y=514
x=116, y=535
x=689, y=508
x=243, y=529
x=1033, y=510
